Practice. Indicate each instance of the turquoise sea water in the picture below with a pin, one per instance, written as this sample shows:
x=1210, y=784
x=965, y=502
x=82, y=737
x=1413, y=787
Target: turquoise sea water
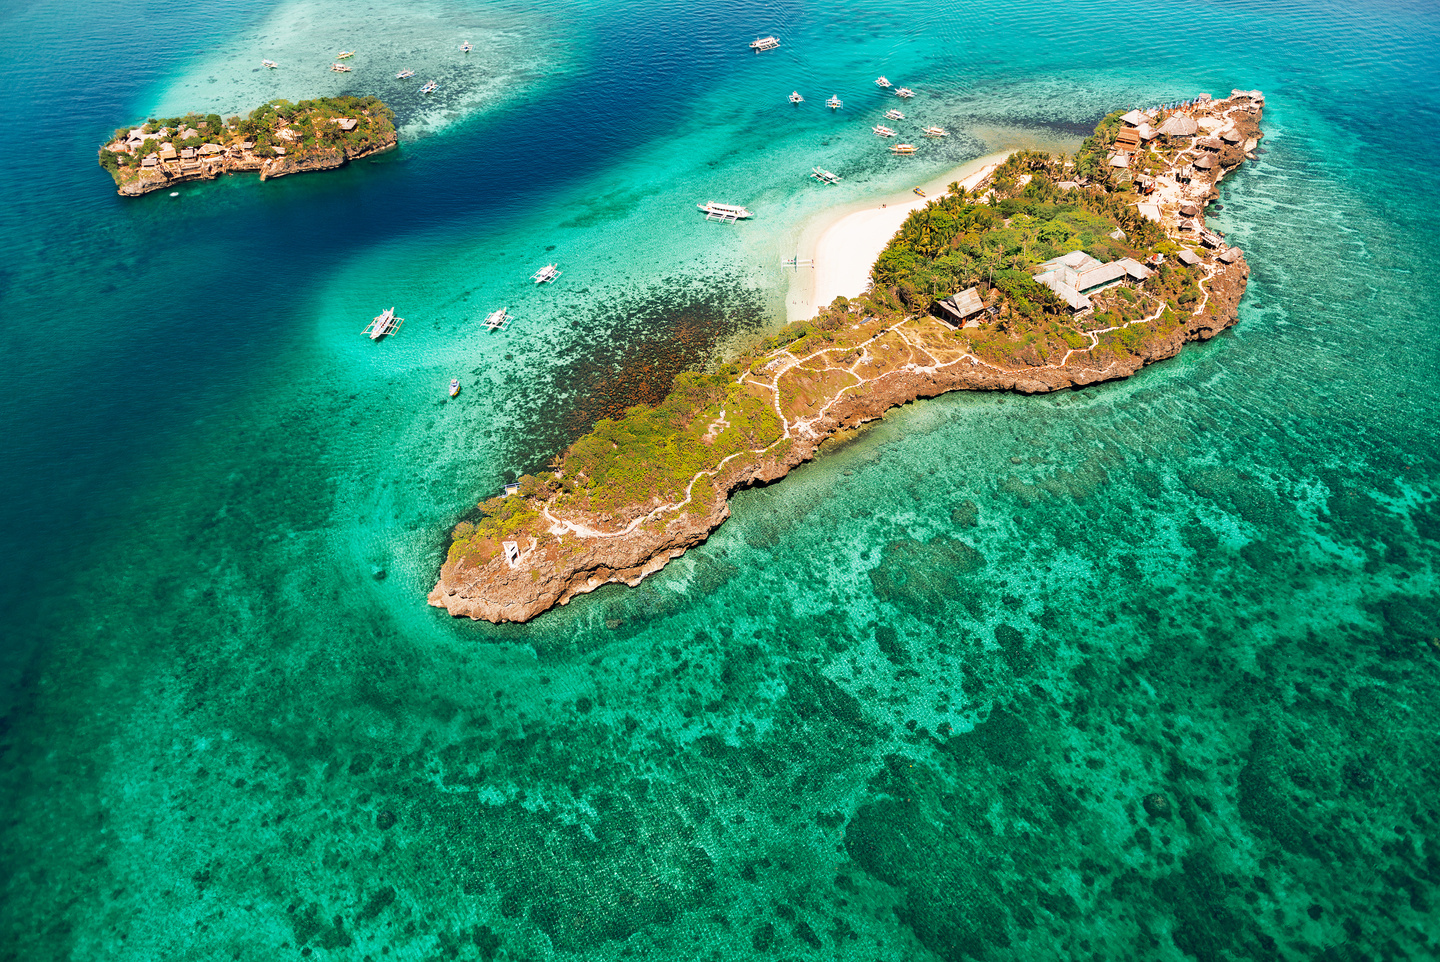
x=1146, y=671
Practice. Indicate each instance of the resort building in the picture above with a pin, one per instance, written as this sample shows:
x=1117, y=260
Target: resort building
x=1077, y=276
x=963, y=309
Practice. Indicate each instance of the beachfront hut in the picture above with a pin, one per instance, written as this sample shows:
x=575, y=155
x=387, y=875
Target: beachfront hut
x=1230, y=136
x=346, y=123
x=188, y=132
x=1147, y=133
x=1134, y=118
x=1187, y=257
x=1189, y=210
x=1211, y=239
x=210, y=150
x=187, y=153
x=1230, y=256
x=167, y=152
x=963, y=308
x=151, y=160
x=1206, y=162
x=1120, y=160
x=1128, y=139
x=1209, y=143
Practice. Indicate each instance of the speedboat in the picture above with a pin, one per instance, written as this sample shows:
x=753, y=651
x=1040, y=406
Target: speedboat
x=454, y=386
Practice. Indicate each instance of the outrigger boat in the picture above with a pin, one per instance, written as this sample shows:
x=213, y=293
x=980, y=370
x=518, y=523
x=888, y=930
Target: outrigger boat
x=820, y=173
x=764, y=43
x=726, y=212
x=429, y=88
x=547, y=273
x=834, y=103
x=405, y=75
x=269, y=63
x=498, y=319
x=344, y=54
x=881, y=82
x=882, y=131
x=454, y=386
x=465, y=47
x=795, y=97
x=339, y=68
x=902, y=149
x=933, y=131
x=384, y=323
x=894, y=115
x=905, y=93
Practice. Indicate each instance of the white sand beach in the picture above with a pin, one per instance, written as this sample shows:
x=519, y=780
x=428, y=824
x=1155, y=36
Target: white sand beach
x=845, y=244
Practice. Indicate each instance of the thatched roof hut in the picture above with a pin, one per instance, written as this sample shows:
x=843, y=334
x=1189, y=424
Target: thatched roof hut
x=1134, y=118
x=1230, y=256
x=1189, y=210
x=1206, y=162
x=1179, y=126
x=962, y=306
x=1230, y=136
x=1187, y=257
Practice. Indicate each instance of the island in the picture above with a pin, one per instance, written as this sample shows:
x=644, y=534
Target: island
x=276, y=139
x=1052, y=272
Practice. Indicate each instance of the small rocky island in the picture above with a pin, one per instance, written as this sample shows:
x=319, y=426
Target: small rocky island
x=1054, y=272
x=276, y=139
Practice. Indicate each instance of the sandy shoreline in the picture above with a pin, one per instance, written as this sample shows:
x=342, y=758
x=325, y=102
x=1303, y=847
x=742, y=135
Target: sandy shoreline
x=846, y=242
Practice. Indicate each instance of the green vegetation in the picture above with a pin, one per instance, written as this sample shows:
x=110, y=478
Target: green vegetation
x=302, y=129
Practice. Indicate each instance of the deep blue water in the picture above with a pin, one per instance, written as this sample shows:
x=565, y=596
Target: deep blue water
x=917, y=701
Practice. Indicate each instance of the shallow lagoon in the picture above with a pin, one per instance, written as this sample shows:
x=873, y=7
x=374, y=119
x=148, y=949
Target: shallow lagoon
x=912, y=702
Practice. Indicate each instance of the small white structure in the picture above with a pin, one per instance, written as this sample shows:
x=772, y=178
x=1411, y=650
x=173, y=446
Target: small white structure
x=512, y=553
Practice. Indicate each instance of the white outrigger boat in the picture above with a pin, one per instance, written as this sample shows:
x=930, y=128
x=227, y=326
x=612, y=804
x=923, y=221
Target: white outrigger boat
x=269, y=63
x=544, y=275
x=405, y=74
x=882, y=131
x=429, y=88
x=905, y=93
x=894, y=115
x=497, y=320
x=384, y=323
x=465, y=47
x=340, y=68
x=902, y=149
x=726, y=212
x=828, y=176
x=764, y=43
x=881, y=82
x=933, y=131
x=834, y=103
x=795, y=97
x=345, y=55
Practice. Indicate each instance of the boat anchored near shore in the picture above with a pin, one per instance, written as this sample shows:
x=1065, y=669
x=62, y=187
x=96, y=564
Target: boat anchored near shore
x=795, y=97
x=544, y=275
x=828, y=176
x=905, y=93
x=429, y=88
x=340, y=68
x=764, y=43
x=834, y=103
x=454, y=386
x=465, y=47
x=881, y=82
x=384, y=323
x=933, y=131
x=497, y=320
x=730, y=213
x=345, y=55
x=882, y=131
x=405, y=74
x=902, y=149
x=894, y=115
x=269, y=63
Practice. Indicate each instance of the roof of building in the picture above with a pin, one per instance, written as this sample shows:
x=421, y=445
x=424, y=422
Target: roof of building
x=1134, y=118
x=965, y=304
x=187, y=133
x=1187, y=257
x=346, y=123
x=1120, y=160
x=1209, y=143
x=1189, y=210
x=1129, y=136
x=150, y=160
x=1231, y=256
x=1149, y=211
x=1076, y=274
x=1230, y=136
x=207, y=149
x=1179, y=126
x=187, y=152
x=1147, y=132
x=1204, y=162
x=167, y=151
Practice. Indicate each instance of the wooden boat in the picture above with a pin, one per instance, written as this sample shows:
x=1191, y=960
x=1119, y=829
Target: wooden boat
x=726, y=212
x=881, y=82
x=882, y=131
x=269, y=63
x=834, y=103
x=405, y=74
x=545, y=274
x=933, y=131
x=894, y=115
x=820, y=173
x=384, y=323
x=795, y=97
x=454, y=386
x=465, y=47
x=339, y=68
x=902, y=149
x=345, y=55
x=498, y=319
x=905, y=93
x=764, y=43
x=429, y=88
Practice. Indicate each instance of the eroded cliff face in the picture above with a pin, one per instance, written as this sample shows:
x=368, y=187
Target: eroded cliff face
x=549, y=576
x=159, y=178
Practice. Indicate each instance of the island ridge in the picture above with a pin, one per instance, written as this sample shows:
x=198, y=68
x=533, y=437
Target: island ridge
x=1053, y=272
